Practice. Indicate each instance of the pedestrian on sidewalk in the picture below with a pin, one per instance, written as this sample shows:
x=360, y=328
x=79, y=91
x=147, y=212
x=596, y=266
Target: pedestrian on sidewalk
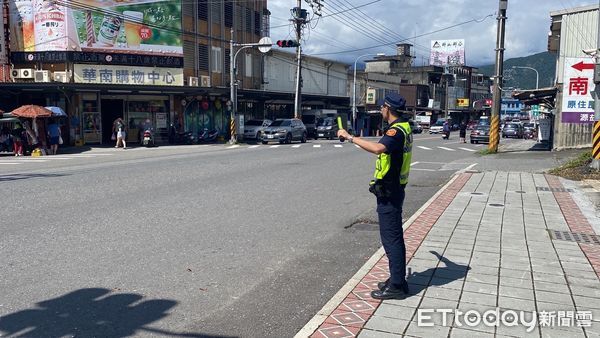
x=394, y=151
x=54, y=135
x=119, y=131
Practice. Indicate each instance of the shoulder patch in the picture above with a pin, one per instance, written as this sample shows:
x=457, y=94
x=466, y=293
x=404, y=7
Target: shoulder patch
x=391, y=132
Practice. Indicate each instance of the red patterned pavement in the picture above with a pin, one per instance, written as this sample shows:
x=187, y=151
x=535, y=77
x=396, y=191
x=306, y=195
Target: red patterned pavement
x=353, y=312
x=576, y=220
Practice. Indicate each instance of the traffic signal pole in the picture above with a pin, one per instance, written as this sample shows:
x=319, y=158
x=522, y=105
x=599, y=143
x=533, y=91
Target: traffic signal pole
x=299, y=21
x=497, y=94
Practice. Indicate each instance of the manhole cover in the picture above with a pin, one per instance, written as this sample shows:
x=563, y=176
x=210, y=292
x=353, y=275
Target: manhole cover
x=496, y=205
x=574, y=237
x=554, y=189
x=520, y=192
x=477, y=193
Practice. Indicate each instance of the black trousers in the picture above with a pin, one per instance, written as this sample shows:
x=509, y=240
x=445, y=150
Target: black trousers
x=389, y=211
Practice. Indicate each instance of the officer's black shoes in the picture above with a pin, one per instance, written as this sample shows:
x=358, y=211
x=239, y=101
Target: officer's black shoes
x=382, y=285
x=391, y=292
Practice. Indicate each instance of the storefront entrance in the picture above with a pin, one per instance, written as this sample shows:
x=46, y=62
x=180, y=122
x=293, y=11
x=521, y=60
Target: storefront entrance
x=111, y=110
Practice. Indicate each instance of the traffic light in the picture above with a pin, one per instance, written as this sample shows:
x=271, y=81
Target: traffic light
x=287, y=43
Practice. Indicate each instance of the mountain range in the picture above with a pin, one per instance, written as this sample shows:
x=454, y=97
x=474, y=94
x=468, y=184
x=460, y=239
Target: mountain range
x=517, y=78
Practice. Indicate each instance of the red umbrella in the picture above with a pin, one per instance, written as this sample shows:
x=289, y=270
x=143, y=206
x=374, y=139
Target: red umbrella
x=31, y=111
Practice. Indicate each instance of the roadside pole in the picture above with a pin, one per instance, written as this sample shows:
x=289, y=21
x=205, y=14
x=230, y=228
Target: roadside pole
x=299, y=21
x=497, y=94
x=596, y=133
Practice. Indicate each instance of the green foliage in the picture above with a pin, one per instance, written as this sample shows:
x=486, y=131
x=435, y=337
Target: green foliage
x=584, y=159
x=544, y=63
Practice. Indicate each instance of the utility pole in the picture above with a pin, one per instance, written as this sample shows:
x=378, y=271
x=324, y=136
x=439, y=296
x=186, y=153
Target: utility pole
x=233, y=92
x=299, y=21
x=497, y=94
x=596, y=132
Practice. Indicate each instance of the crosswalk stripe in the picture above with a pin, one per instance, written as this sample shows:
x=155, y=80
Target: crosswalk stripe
x=316, y=146
x=356, y=145
x=448, y=149
x=252, y=147
x=414, y=163
x=233, y=146
x=338, y=145
x=296, y=146
x=422, y=147
x=275, y=146
x=11, y=163
x=467, y=149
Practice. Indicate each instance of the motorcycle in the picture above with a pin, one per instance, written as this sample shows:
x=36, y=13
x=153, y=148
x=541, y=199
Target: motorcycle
x=148, y=138
x=208, y=135
x=529, y=134
x=445, y=135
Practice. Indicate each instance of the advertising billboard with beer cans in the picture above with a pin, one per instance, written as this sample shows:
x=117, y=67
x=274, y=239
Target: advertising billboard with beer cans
x=148, y=27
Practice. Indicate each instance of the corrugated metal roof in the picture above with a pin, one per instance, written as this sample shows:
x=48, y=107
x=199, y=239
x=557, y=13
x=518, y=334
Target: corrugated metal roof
x=574, y=10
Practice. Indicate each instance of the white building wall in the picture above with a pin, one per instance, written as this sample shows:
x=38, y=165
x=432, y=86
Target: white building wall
x=578, y=32
x=320, y=77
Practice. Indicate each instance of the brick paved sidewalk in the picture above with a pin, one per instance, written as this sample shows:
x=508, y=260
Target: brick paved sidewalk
x=488, y=241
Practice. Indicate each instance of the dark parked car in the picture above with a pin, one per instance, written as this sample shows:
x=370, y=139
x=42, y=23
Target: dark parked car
x=415, y=127
x=327, y=128
x=529, y=130
x=512, y=130
x=285, y=131
x=481, y=133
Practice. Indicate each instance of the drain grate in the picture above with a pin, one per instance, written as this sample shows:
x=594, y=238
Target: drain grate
x=574, y=237
x=496, y=205
x=477, y=193
x=554, y=189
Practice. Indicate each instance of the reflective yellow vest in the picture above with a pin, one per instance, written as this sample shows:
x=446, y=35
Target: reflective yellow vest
x=384, y=161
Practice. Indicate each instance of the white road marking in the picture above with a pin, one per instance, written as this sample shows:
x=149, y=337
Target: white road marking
x=356, y=145
x=448, y=149
x=426, y=148
x=252, y=147
x=338, y=145
x=470, y=167
x=296, y=146
x=316, y=146
x=467, y=149
x=275, y=146
x=11, y=162
x=233, y=146
x=414, y=163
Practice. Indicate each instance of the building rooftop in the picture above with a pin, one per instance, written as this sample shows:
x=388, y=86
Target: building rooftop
x=574, y=10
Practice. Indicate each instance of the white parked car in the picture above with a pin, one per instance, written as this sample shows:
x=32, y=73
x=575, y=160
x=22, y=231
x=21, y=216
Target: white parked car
x=254, y=128
x=437, y=128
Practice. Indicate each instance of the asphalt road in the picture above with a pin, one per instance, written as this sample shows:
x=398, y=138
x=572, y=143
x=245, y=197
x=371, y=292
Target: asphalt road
x=194, y=241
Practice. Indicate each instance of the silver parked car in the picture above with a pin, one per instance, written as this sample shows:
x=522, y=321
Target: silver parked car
x=253, y=129
x=285, y=131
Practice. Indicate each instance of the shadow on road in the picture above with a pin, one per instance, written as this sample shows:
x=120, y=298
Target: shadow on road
x=93, y=312
x=16, y=177
x=441, y=275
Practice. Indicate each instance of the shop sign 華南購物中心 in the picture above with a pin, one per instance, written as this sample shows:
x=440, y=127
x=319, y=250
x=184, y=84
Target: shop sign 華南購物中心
x=578, y=85
x=146, y=27
x=144, y=76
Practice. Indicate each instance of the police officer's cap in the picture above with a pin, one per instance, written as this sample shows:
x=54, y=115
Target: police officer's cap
x=395, y=102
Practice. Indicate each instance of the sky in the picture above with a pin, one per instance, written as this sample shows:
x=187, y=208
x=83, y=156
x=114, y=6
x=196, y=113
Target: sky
x=366, y=23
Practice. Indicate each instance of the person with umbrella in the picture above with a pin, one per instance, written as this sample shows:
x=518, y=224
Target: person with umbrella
x=54, y=135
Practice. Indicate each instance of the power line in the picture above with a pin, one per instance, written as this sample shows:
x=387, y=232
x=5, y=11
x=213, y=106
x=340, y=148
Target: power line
x=416, y=36
x=333, y=14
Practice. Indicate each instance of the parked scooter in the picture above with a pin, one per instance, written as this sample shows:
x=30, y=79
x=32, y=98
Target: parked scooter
x=148, y=138
x=208, y=136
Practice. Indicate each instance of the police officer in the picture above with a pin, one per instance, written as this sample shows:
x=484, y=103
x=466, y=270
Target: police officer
x=391, y=176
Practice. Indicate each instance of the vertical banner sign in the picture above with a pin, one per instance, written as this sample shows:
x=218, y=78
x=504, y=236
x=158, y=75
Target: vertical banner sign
x=578, y=85
x=3, y=46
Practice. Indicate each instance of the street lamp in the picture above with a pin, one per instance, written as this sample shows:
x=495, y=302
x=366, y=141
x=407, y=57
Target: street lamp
x=537, y=75
x=354, y=88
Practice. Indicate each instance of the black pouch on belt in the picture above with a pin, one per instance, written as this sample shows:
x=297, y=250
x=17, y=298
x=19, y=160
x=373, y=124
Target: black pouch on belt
x=377, y=188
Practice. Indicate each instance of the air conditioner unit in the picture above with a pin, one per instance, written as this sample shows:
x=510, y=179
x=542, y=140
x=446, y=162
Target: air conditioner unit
x=204, y=81
x=42, y=76
x=26, y=73
x=15, y=74
x=193, y=81
x=61, y=77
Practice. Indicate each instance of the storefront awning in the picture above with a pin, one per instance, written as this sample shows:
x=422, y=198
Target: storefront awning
x=542, y=96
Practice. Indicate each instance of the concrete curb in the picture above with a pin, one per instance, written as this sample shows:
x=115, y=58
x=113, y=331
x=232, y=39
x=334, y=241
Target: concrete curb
x=333, y=303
